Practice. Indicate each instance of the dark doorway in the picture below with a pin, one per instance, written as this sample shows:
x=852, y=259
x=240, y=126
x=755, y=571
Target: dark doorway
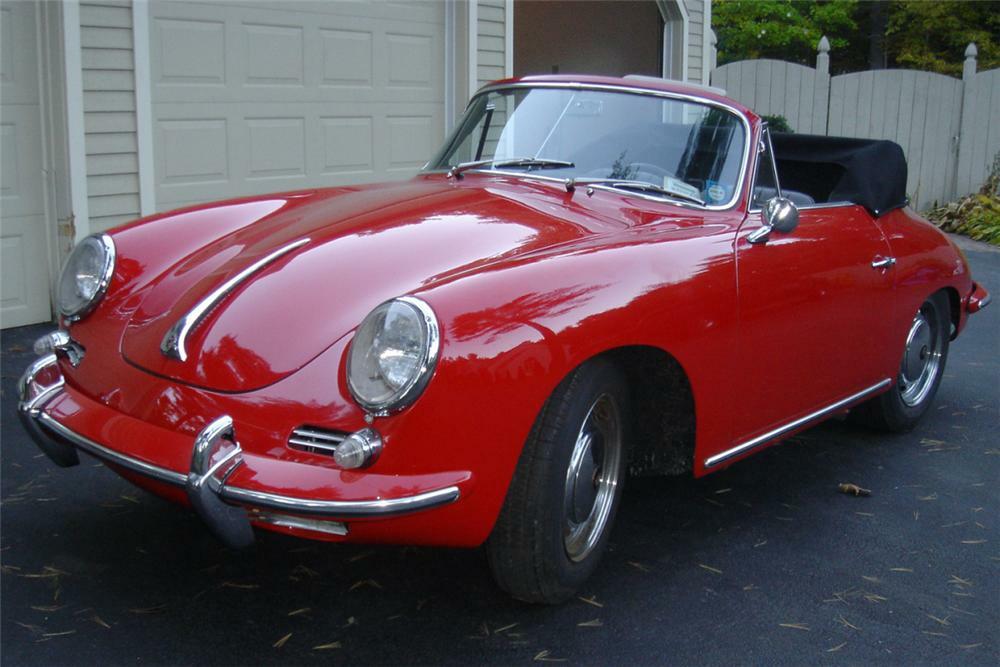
x=600, y=37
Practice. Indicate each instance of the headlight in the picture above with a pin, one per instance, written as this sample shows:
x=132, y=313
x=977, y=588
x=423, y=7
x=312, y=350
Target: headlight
x=85, y=276
x=392, y=356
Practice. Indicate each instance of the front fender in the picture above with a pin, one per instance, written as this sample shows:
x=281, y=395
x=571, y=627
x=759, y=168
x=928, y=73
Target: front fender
x=511, y=334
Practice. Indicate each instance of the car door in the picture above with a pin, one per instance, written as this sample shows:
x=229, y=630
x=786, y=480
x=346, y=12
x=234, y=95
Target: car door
x=813, y=317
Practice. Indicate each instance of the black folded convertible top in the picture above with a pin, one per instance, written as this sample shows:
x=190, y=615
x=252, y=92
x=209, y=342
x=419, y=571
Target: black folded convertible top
x=868, y=172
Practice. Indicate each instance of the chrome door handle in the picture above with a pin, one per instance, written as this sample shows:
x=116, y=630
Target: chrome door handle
x=883, y=262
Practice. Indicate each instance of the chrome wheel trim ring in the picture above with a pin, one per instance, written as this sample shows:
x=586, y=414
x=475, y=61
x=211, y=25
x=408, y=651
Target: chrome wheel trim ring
x=592, y=478
x=921, y=358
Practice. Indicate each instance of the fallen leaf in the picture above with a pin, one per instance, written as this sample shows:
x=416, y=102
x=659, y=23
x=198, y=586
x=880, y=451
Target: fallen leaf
x=303, y=610
x=836, y=648
x=969, y=646
x=973, y=541
x=505, y=628
x=853, y=489
x=901, y=569
x=281, y=642
x=233, y=584
x=638, y=566
x=795, y=626
x=709, y=568
x=847, y=623
x=326, y=647
x=149, y=610
x=591, y=600
x=593, y=623
x=100, y=621
x=545, y=656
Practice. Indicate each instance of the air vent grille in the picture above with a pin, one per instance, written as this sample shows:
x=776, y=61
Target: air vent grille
x=315, y=440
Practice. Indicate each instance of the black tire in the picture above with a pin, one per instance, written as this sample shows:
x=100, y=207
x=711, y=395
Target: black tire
x=900, y=409
x=530, y=547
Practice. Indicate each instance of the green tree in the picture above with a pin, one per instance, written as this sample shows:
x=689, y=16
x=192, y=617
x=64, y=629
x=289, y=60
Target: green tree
x=781, y=29
x=932, y=36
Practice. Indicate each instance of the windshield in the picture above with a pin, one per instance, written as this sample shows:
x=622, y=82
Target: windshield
x=687, y=149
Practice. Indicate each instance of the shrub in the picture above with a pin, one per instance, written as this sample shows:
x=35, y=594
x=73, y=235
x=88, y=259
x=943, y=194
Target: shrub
x=977, y=215
x=777, y=123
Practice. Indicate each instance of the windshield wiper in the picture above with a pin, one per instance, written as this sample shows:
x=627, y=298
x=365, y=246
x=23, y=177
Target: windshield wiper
x=529, y=162
x=641, y=186
x=533, y=163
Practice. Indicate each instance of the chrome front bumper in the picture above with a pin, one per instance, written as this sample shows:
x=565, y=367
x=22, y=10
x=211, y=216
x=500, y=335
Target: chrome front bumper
x=226, y=509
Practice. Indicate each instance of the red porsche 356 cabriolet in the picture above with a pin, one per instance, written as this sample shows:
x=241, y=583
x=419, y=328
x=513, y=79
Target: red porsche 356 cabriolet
x=594, y=277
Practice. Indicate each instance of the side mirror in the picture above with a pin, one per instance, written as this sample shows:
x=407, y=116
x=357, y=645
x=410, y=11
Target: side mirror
x=779, y=215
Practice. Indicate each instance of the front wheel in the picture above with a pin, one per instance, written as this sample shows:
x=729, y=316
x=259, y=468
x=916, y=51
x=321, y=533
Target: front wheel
x=554, y=525
x=925, y=352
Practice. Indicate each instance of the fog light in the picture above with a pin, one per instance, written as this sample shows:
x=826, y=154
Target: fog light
x=358, y=450
x=51, y=342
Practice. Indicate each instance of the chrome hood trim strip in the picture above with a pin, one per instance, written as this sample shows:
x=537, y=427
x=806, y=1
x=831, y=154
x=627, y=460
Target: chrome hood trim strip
x=174, y=341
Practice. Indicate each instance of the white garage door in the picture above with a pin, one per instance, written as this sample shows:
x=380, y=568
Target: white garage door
x=23, y=262
x=258, y=97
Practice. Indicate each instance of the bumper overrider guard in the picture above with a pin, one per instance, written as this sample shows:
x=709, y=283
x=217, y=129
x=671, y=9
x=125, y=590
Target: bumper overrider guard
x=216, y=454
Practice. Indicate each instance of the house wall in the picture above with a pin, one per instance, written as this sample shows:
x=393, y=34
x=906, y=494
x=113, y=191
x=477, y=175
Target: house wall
x=696, y=10
x=491, y=40
x=107, y=63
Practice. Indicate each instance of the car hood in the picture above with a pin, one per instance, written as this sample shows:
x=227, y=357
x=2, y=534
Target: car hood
x=345, y=251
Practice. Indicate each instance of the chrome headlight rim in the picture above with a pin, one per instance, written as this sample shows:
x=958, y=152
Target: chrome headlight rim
x=107, y=271
x=407, y=395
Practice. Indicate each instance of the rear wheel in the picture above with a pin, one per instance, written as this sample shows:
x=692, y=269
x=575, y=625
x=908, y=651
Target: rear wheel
x=561, y=503
x=925, y=352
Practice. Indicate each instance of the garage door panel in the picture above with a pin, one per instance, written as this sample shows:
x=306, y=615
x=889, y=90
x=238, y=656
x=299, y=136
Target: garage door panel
x=416, y=11
x=24, y=295
x=18, y=76
x=210, y=55
x=21, y=171
x=210, y=158
x=249, y=99
x=24, y=284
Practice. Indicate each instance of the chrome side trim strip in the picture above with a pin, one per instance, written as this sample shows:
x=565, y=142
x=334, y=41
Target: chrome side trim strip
x=111, y=456
x=343, y=508
x=174, y=341
x=791, y=426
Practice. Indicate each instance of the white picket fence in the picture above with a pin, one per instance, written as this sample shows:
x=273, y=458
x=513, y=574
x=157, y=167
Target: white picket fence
x=948, y=128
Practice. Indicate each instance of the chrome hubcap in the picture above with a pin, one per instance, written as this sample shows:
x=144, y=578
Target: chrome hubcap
x=921, y=359
x=592, y=478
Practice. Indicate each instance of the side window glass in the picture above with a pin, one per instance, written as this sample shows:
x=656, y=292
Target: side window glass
x=764, y=186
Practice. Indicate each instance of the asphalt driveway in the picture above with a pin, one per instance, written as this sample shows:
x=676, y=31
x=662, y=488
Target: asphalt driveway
x=763, y=563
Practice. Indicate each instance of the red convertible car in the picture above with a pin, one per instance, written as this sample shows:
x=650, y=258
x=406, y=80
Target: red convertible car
x=595, y=277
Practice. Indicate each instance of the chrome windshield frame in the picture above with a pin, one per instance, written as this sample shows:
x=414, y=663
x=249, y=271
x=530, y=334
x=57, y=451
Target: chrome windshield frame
x=738, y=192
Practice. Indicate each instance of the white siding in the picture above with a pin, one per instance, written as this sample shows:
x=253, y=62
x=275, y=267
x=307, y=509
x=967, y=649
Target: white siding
x=490, y=40
x=696, y=35
x=109, y=112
